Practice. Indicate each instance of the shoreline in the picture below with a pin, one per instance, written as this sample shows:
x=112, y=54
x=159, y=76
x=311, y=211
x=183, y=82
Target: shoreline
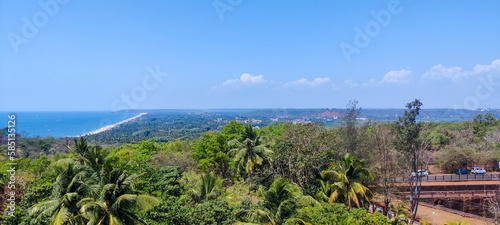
x=109, y=127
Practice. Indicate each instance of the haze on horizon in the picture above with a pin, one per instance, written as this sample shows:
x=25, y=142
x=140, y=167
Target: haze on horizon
x=93, y=55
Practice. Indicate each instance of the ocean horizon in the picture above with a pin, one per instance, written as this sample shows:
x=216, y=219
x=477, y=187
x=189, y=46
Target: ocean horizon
x=63, y=123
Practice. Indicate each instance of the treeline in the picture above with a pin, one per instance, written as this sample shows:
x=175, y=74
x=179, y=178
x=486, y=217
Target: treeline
x=163, y=127
x=278, y=174
x=223, y=178
x=463, y=145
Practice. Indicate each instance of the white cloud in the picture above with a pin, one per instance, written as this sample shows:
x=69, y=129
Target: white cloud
x=392, y=77
x=350, y=83
x=397, y=76
x=495, y=65
x=244, y=79
x=371, y=83
x=439, y=72
x=304, y=82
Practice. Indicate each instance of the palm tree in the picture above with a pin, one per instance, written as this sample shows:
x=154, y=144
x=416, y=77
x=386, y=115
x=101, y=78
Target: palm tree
x=91, y=191
x=345, y=174
x=73, y=183
x=115, y=204
x=251, y=152
x=210, y=188
x=324, y=192
x=280, y=202
x=93, y=156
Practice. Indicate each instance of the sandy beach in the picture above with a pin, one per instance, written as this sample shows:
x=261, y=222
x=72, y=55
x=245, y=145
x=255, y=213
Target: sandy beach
x=109, y=127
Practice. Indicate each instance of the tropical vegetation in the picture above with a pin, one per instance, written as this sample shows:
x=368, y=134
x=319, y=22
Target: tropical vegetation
x=282, y=173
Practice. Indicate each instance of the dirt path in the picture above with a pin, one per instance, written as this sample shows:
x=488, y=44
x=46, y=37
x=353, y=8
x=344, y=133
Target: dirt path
x=427, y=213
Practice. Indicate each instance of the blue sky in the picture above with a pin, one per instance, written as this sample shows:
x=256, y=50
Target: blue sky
x=96, y=55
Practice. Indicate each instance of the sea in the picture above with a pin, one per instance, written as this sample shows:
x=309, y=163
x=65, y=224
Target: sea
x=62, y=124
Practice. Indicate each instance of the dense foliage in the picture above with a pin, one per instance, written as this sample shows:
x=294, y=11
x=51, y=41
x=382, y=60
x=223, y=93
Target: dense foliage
x=279, y=174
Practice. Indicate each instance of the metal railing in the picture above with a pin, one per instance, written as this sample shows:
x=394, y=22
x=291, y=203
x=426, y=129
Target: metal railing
x=450, y=177
x=461, y=177
x=466, y=193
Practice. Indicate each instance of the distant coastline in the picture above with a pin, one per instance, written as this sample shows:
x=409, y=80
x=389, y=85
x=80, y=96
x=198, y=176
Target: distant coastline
x=109, y=127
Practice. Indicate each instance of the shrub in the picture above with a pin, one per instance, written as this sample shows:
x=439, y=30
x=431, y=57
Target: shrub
x=216, y=212
x=339, y=214
x=171, y=211
x=454, y=158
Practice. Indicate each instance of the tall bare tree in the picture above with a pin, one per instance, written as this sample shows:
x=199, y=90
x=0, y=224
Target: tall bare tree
x=384, y=161
x=349, y=133
x=407, y=140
